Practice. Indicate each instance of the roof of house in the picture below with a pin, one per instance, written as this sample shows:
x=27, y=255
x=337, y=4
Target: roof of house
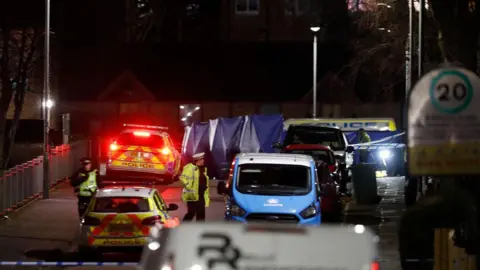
x=241, y=72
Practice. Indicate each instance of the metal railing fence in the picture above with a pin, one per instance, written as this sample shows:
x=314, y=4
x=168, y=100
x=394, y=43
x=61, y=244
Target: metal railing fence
x=24, y=182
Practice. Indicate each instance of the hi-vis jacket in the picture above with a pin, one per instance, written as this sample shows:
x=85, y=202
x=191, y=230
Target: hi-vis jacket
x=190, y=179
x=87, y=183
x=364, y=138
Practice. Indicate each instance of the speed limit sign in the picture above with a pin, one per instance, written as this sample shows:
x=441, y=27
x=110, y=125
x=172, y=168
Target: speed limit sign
x=451, y=91
x=444, y=123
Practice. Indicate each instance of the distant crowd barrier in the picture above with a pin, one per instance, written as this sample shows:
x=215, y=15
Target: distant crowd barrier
x=23, y=183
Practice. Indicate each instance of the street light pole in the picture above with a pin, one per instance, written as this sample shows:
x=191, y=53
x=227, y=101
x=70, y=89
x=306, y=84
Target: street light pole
x=46, y=103
x=314, y=29
x=409, y=50
x=421, y=13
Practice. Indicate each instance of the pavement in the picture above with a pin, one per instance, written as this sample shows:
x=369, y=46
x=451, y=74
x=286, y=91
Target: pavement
x=382, y=219
x=45, y=230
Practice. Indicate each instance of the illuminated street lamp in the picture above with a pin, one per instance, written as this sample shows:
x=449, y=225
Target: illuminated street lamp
x=315, y=30
x=182, y=107
x=49, y=104
x=384, y=5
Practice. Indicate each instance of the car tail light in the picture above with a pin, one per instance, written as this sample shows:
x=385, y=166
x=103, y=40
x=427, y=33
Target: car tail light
x=152, y=221
x=375, y=266
x=113, y=147
x=141, y=133
x=91, y=221
x=166, y=151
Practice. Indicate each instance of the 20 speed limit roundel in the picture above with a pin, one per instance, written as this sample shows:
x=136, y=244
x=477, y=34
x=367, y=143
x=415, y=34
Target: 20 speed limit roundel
x=451, y=91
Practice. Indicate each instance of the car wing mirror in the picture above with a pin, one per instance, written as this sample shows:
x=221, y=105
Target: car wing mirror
x=349, y=149
x=172, y=207
x=277, y=145
x=222, y=188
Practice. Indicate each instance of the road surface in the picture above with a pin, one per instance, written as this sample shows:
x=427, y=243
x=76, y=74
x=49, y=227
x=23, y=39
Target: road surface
x=45, y=229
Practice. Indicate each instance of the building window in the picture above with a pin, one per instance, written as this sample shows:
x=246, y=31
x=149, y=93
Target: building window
x=247, y=6
x=297, y=7
x=190, y=113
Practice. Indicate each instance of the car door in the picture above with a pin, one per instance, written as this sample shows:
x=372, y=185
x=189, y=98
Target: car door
x=318, y=191
x=161, y=206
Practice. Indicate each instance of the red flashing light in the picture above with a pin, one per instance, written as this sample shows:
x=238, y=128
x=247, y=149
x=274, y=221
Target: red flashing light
x=114, y=147
x=141, y=133
x=166, y=151
x=375, y=266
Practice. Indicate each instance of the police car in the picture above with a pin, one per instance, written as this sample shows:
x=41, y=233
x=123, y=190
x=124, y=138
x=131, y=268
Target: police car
x=260, y=246
x=122, y=217
x=143, y=151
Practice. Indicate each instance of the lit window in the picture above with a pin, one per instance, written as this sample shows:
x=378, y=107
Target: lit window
x=247, y=6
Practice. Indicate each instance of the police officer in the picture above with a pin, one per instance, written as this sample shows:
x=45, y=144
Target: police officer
x=84, y=182
x=363, y=138
x=195, y=188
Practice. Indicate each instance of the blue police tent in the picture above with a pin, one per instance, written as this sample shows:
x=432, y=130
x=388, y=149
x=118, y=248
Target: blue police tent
x=221, y=139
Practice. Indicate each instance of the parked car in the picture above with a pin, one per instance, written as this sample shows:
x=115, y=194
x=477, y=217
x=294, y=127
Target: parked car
x=328, y=175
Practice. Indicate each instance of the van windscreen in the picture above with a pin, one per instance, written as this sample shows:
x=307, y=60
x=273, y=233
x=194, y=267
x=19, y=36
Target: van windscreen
x=273, y=179
x=315, y=135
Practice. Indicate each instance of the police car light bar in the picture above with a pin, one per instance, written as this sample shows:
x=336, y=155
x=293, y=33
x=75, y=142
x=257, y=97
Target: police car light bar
x=126, y=184
x=145, y=126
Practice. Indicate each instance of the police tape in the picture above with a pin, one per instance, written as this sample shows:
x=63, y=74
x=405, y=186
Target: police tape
x=128, y=264
x=42, y=263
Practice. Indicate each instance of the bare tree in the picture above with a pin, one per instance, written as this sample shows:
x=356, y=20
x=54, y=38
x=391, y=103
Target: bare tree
x=458, y=24
x=18, y=55
x=378, y=44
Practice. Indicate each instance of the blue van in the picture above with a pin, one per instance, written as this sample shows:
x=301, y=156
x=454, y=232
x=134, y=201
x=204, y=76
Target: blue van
x=281, y=188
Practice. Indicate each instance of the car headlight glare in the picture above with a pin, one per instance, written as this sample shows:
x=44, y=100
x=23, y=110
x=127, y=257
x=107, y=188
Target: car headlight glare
x=309, y=212
x=236, y=210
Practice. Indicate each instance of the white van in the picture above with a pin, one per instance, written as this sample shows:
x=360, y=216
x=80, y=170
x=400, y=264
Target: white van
x=199, y=246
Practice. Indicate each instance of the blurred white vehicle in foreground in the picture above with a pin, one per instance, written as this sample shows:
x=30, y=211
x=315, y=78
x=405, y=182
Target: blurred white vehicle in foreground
x=205, y=246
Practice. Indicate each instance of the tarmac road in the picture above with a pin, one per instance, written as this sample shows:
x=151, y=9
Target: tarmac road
x=45, y=229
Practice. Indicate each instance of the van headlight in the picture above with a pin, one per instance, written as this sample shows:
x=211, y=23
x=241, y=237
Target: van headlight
x=236, y=210
x=385, y=154
x=309, y=212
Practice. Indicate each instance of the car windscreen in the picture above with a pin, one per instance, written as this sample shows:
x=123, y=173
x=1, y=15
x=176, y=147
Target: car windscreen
x=315, y=135
x=141, y=139
x=121, y=205
x=273, y=179
x=322, y=155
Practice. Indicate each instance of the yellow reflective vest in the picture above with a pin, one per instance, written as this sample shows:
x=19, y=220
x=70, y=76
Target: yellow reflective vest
x=190, y=179
x=87, y=188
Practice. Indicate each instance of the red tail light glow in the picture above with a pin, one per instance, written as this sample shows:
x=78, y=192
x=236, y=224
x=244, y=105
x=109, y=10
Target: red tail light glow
x=152, y=221
x=141, y=133
x=375, y=266
x=113, y=147
x=91, y=221
x=166, y=151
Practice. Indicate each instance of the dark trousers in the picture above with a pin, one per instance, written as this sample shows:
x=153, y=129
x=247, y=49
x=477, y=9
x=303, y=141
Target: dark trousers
x=195, y=209
x=83, y=203
x=363, y=154
x=416, y=230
